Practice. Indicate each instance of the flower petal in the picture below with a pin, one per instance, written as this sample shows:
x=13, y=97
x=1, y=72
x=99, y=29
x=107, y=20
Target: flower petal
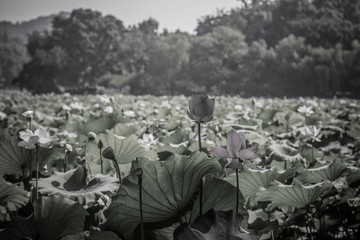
x=220, y=152
x=247, y=154
x=234, y=142
x=251, y=165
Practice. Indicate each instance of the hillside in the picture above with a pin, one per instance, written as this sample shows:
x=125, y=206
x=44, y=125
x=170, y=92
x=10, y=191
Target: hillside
x=21, y=30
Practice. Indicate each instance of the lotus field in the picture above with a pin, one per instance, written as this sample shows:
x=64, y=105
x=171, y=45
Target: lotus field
x=144, y=167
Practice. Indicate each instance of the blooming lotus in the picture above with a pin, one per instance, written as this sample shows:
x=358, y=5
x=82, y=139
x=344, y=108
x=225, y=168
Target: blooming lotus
x=201, y=108
x=236, y=152
x=41, y=136
x=312, y=133
x=306, y=110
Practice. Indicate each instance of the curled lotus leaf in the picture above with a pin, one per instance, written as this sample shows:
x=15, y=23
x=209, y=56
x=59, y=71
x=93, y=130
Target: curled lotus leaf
x=329, y=172
x=11, y=199
x=283, y=152
x=168, y=191
x=250, y=182
x=295, y=195
x=16, y=160
x=219, y=195
x=54, y=217
x=76, y=185
x=215, y=225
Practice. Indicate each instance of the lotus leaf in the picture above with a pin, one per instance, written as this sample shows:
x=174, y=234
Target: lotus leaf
x=214, y=225
x=168, y=191
x=76, y=185
x=11, y=199
x=296, y=195
x=54, y=217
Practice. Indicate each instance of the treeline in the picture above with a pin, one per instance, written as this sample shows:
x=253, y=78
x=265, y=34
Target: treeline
x=269, y=48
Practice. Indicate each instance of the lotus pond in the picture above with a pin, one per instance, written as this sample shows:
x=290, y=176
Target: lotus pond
x=130, y=167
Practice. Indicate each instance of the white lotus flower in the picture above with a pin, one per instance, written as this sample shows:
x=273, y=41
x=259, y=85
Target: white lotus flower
x=307, y=111
x=41, y=136
x=109, y=109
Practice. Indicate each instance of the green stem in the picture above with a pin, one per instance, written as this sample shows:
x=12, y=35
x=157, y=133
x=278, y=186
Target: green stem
x=37, y=171
x=101, y=162
x=201, y=181
x=237, y=191
x=199, y=135
x=65, y=162
x=141, y=210
x=117, y=169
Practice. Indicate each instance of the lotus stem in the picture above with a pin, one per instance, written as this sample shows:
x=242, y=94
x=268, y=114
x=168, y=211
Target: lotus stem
x=201, y=181
x=272, y=235
x=285, y=163
x=199, y=135
x=141, y=209
x=37, y=171
x=237, y=191
x=65, y=162
x=117, y=169
x=101, y=162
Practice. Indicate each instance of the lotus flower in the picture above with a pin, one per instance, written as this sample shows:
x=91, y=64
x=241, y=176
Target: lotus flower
x=41, y=136
x=236, y=152
x=307, y=111
x=201, y=108
x=312, y=133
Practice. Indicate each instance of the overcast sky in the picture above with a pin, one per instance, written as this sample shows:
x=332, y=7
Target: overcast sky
x=171, y=14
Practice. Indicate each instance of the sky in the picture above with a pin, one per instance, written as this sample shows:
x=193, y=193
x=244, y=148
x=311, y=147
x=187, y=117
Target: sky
x=171, y=14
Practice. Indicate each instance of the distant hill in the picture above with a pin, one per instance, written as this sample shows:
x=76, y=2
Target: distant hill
x=23, y=29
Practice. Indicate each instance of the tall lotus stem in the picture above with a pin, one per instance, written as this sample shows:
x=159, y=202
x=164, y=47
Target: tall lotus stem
x=68, y=150
x=100, y=146
x=139, y=172
x=201, y=181
x=237, y=191
x=37, y=170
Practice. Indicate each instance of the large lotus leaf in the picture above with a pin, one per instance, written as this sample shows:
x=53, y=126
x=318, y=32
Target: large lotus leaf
x=295, y=119
x=354, y=130
x=11, y=199
x=48, y=120
x=14, y=159
x=283, y=152
x=56, y=217
x=93, y=125
x=168, y=190
x=215, y=225
x=102, y=235
x=78, y=186
x=296, y=195
x=310, y=153
x=254, y=137
x=125, y=149
x=127, y=129
x=329, y=172
x=250, y=182
x=218, y=195
x=266, y=114
x=262, y=222
x=165, y=233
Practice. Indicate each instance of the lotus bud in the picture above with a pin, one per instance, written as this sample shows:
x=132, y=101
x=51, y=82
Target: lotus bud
x=109, y=153
x=201, y=108
x=28, y=114
x=68, y=148
x=100, y=144
x=91, y=136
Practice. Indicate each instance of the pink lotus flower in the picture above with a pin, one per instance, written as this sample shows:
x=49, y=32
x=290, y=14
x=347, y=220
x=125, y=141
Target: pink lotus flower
x=236, y=152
